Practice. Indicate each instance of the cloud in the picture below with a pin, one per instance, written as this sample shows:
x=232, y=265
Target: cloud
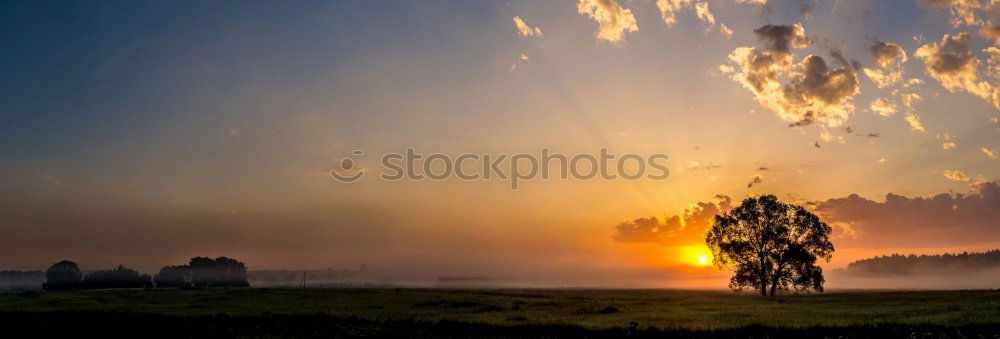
x=909, y=99
x=526, y=31
x=521, y=60
x=755, y=180
x=948, y=141
x=914, y=122
x=992, y=154
x=962, y=11
x=937, y=221
x=889, y=57
x=992, y=32
x=955, y=67
x=913, y=82
x=883, y=107
x=800, y=93
x=955, y=175
x=669, y=9
x=725, y=31
x=704, y=14
x=686, y=228
x=613, y=20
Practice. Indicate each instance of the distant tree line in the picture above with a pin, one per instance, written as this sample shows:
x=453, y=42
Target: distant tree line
x=200, y=272
x=898, y=264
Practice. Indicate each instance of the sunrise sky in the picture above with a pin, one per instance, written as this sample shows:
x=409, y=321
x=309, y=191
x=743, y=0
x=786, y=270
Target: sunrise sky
x=144, y=133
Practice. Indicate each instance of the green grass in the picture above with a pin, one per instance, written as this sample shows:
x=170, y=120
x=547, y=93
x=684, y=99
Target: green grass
x=588, y=309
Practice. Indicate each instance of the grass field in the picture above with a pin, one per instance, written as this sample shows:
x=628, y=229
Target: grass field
x=288, y=312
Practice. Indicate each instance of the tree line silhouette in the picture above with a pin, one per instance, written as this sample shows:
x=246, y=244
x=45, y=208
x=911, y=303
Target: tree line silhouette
x=200, y=272
x=898, y=264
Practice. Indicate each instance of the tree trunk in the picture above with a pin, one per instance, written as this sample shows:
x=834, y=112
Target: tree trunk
x=763, y=283
x=763, y=277
x=774, y=280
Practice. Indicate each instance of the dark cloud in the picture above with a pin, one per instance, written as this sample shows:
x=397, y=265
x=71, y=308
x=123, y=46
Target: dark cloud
x=781, y=38
x=683, y=229
x=886, y=54
x=756, y=179
x=946, y=219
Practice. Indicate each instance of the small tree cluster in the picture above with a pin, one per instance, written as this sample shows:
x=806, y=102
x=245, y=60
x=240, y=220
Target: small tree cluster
x=204, y=272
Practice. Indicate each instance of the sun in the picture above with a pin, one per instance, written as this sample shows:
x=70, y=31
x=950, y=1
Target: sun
x=698, y=256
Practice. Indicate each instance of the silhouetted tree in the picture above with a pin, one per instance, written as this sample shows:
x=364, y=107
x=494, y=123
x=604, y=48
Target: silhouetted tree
x=61, y=276
x=119, y=277
x=173, y=276
x=218, y=272
x=770, y=244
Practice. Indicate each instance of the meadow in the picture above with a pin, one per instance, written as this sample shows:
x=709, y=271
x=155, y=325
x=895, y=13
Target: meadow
x=503, y=312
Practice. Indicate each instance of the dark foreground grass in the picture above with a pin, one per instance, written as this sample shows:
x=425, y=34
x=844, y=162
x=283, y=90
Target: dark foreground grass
x=502, y=313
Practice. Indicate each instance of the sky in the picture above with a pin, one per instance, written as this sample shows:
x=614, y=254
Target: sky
x=144, y=133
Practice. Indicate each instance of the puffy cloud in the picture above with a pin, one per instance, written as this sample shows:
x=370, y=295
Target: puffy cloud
x=992, y=154
x=962, y=11
x=955, y=175
x=889, y=58
x=955, y=67
x=526, y=31
x=802, y=93
x=883, y=107
x=941, y=220
x=686, y=228
x=755, y=180
x=613, y=20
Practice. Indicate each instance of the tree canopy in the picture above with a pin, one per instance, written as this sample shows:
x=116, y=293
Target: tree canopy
x=770, y=245
x=63, y=275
